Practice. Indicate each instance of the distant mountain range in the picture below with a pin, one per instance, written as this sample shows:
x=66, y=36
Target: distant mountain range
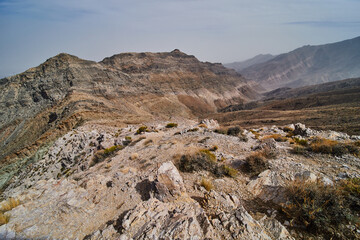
x=239, y=66
x=307, y=65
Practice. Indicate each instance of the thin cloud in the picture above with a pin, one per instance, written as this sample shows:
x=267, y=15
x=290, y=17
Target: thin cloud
x=326, y=23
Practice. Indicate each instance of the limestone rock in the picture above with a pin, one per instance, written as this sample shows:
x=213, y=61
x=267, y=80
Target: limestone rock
x=210, y=123
x=154, y=219
x=169, y=183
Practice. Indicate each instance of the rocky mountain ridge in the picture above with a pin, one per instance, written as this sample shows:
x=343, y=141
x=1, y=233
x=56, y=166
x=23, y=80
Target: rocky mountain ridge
x=141, y=190
x=46, y=101
x=239, y=66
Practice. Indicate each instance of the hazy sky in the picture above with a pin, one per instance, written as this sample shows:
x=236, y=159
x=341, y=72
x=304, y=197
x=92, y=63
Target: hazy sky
x=212, y=30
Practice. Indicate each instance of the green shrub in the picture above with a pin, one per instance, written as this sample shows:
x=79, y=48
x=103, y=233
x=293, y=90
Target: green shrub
x=298, y=149
x=101, y=155
x=234, y=131
x=302, y=142
x=171, y=125
x=141, y=129
x=229, y=171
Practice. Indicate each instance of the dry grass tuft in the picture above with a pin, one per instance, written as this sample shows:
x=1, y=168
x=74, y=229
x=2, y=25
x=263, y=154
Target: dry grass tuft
x=207, y=184
x=4, y=218
x=276, y=137
x=9, y=204
x=134, y=156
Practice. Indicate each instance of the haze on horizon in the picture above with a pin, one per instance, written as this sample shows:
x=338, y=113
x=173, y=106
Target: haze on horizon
x=215, y=31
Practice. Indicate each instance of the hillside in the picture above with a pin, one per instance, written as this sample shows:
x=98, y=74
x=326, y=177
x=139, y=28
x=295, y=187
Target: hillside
x=308, y=65
x=64, y=92
x=239, y=66
x=333, y=105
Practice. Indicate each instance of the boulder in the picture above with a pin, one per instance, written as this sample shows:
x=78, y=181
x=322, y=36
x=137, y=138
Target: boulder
x=168, y=184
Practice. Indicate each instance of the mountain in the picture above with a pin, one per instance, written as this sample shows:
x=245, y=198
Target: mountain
x=239, y=66
x=308, y=65
x=46, y=101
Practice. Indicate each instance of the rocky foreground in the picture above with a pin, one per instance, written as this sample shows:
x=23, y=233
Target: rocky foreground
x=181, y=180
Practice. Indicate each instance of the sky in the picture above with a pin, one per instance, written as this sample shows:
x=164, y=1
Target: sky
x=212, y=30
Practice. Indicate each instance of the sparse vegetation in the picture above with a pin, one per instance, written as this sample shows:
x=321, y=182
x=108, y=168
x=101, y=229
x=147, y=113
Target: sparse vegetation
x=207, y=184
x=5, y=206
x=204, y=160
x=147, y=142
x=193, y=130
x=302, y=142
x=257, y=135
x=9, y=204
x=101, y=155
x=137, y=140
x=171, y=125
x=322, y=208
x=214, y=148
x=276, y=137
x=221, y=131
x=229, y=171
x=325, y=146
x=4, y=218
x=141, y=129
x=234, y=131
x=256, y=163
x=134, y=156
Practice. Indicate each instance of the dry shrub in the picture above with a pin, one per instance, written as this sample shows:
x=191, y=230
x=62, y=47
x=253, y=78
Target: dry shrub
x=147, y=142
x=288, y=129
x=193, y=130
x=204, y=160
x=302, y=142
x=171, y=125
x=221, y=131
x=229, y=171
x=234, y=131
x=256, y=163
x=4, y=218
x=207, y=184
x=5, y=206
x=276, y=137
x=298, y=149
x=321, y=208
x=9, y=204
x=134, y=156
x=326, y=146
x=257, y=135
